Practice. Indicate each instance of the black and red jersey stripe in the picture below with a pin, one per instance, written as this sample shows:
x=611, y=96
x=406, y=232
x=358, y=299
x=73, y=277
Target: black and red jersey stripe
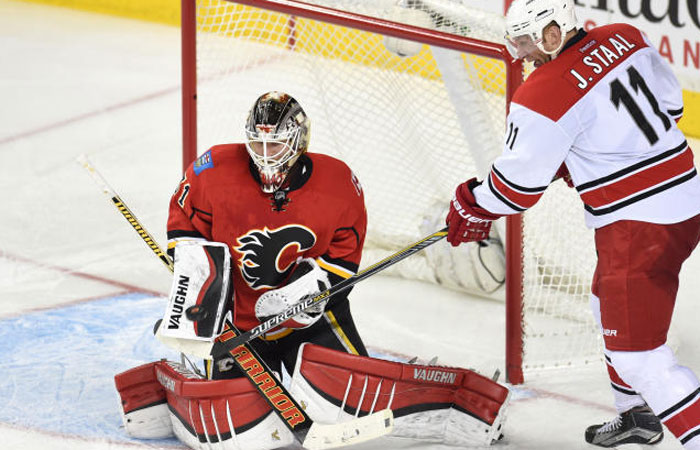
x=518, y=198
x=616, y=381
x=676, y=114
x=638, y=181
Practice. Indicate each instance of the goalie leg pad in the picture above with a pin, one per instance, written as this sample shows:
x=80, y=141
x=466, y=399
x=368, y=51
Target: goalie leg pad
x=144, y=406
x=440, y=404
x=219, y=414
x=198, y=296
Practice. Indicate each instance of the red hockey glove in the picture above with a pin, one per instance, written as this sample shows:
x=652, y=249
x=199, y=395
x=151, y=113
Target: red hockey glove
x=467, y=222
x=563, y=173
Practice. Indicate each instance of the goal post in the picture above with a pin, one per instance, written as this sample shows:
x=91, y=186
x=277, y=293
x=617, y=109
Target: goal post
x=188, y=58
x=411, y=120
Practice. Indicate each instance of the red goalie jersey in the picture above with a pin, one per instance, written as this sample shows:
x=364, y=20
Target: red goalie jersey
x=321, y=216
x=607, y=107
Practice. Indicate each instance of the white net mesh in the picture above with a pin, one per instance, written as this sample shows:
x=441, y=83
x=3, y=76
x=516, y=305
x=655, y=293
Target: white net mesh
x=411, y=127
x=559, y=259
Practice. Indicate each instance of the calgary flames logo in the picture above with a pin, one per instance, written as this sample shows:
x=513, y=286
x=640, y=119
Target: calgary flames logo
x=268, y=256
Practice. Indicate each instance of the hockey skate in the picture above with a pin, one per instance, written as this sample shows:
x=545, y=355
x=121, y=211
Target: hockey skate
x=639, y=425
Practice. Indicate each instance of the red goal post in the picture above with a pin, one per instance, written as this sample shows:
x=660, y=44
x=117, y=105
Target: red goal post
x=514, y=289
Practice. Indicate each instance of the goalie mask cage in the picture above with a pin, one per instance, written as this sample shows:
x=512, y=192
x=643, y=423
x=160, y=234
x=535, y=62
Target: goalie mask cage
x=413, y=98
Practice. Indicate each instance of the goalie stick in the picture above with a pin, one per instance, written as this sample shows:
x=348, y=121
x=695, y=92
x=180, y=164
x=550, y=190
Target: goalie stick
x=225, y=345
x=312, y=435
x=125, y=211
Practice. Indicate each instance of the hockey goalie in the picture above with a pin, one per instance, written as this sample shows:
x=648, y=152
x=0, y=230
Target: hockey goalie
x=255, y=228
x=447, y=405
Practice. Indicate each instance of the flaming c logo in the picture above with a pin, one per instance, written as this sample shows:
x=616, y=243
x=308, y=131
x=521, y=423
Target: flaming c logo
x=261, y=252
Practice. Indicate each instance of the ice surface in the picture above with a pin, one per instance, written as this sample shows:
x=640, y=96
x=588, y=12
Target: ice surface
x=79, y=293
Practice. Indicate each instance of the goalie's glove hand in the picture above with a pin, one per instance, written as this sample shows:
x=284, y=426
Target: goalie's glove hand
x=307, y=280
x=466, y=221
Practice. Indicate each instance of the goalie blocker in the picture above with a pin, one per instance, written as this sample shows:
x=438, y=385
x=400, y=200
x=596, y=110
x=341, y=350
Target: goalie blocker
x=196, y=308
x=439, y=404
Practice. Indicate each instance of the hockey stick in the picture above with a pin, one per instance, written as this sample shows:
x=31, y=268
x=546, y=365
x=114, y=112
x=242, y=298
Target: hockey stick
x=223, y=346
x=312, y=435
x=126, y=212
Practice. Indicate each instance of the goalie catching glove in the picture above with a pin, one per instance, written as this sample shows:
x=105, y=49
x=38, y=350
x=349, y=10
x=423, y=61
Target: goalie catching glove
x=466, y=221
x=307, y=280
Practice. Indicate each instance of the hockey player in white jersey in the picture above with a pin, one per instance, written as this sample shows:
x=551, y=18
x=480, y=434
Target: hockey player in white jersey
x=601, y=110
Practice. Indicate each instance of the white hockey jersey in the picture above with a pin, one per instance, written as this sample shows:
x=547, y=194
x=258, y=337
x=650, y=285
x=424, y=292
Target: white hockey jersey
x=607, y=107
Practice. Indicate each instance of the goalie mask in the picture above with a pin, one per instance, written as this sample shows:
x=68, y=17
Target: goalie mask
x=527, y=19
x=277, y=134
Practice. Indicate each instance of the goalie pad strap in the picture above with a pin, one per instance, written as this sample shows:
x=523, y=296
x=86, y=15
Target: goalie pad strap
x=444, y=404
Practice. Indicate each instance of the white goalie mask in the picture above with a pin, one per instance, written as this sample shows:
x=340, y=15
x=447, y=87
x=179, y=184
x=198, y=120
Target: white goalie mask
x=277, y=134
x=527, y=19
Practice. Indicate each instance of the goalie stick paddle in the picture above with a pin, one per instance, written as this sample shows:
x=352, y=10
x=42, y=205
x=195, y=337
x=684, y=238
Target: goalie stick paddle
x=221, y=347
x=312, y=435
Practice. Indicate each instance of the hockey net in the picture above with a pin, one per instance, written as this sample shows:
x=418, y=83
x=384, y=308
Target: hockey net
x=412, y=119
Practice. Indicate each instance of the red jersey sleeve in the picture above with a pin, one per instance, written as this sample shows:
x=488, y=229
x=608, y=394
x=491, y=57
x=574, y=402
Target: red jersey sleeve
x=342, y=258
x=190, y=212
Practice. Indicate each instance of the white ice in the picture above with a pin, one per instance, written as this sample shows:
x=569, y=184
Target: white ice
x=78, y=289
